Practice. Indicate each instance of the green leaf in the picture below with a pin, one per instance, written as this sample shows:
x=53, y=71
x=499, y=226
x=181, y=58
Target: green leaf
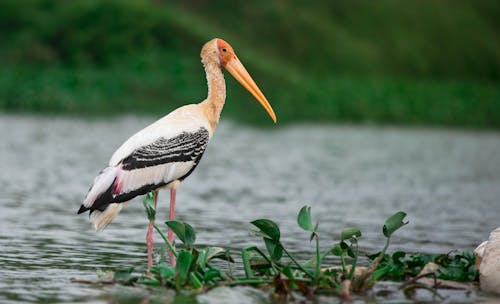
x=350, y=253
x=275, y=250
x=150, y=281
x=211, y=274
x=184, y=232
x=123, y=275
x=344, y=245
x=269, y=229
x=164, y=271
x=393, y=223
x=304, y=219
x=398, y=256
x=149, y=205
x=287, y=270
x=218, y=253
x=349, y=233
x=337, y=250
x=380, y=272
x=210, y=253
x=183, y=266
x=195, y=282
x=202, y=258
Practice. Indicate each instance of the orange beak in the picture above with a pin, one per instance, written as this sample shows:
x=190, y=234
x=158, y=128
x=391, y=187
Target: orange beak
x=236, y=68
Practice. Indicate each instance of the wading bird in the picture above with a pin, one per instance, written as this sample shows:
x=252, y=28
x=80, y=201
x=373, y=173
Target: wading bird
x=163, y=154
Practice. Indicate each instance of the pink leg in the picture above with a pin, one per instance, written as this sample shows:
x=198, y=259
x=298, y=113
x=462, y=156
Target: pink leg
x=172, y=217
x=149, y=237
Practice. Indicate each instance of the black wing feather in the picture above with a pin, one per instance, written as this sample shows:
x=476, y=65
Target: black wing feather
x=181, y=148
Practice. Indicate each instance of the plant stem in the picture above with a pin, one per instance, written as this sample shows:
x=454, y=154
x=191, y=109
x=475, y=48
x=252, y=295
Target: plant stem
x=296, y=263
x=246, y=260
x=170, y=246
x=386, y=246
x=363, y=284
x=342, y=260
x=354, y=262
x=318, y=261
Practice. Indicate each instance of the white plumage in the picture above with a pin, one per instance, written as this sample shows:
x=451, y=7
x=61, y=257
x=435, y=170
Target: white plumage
x=188, y=118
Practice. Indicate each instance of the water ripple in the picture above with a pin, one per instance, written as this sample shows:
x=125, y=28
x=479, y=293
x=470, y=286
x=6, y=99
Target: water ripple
x=447, y=181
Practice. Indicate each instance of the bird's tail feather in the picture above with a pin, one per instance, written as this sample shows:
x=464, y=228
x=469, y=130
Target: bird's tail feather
x=102, y=212
x=101, y=219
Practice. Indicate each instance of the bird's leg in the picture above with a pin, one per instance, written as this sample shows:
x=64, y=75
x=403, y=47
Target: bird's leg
x=149, y=236
x=171, y=218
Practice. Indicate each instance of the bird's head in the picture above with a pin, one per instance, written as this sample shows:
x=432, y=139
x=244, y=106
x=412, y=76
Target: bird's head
x=220, y=51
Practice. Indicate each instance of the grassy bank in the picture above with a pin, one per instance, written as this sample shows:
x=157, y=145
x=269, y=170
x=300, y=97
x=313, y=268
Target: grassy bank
x=424, y=62
x=146, y=88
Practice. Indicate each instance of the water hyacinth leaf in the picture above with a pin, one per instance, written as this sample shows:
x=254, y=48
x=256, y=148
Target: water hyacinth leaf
x=183, y=266
x=195, y=282
x=304, y=219
x=164, y=271
x=100, y=273
x=287, y=270
x=150, y=281
x=397, y=256
x=350, y=253
x=211, y=274
x=337, y=250
x=274, y=249
x=393, y=223
x=349, y=233
x=149, y=205
x=184, y=232
x=269, y=229
x=123, y=275
x=202, y=258
x=380, y=272
x=218, y=253
x=344, y=245
x=373, y=256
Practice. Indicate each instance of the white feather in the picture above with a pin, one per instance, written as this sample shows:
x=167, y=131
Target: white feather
x=104, y=218
x=188, y=118
x=135, y=179
x=101, y=184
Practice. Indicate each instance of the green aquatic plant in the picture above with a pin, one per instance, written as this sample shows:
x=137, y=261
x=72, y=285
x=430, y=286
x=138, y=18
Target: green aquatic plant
x=278, y=268
x=453, y=266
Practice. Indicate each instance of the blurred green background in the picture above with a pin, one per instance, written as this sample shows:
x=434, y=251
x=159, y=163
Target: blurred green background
x=417, y=62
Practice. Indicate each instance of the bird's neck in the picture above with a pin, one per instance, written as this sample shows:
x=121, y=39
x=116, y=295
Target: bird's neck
x=214, y=103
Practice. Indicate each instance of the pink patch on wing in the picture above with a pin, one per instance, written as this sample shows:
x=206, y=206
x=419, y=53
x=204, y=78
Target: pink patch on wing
x=118, y=183
x=117, y=187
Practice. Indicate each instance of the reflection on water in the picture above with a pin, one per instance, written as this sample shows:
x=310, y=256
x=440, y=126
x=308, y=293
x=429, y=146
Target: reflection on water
x=447, y=181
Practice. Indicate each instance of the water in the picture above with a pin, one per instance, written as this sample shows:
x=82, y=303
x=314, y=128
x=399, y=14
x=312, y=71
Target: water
x=447, y=181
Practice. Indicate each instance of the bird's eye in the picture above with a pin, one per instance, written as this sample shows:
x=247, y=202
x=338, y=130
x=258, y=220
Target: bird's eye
x=224, y=50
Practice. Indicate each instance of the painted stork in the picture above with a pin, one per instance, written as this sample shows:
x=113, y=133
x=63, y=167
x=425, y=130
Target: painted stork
x=164, y=153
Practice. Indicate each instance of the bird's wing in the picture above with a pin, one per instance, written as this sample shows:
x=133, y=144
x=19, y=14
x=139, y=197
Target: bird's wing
x=188, y=119
x=159, y=163
x=185, y=147
x=147, y=168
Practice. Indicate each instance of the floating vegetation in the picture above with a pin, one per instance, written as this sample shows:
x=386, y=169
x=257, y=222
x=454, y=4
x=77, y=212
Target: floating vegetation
x=277, y=268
